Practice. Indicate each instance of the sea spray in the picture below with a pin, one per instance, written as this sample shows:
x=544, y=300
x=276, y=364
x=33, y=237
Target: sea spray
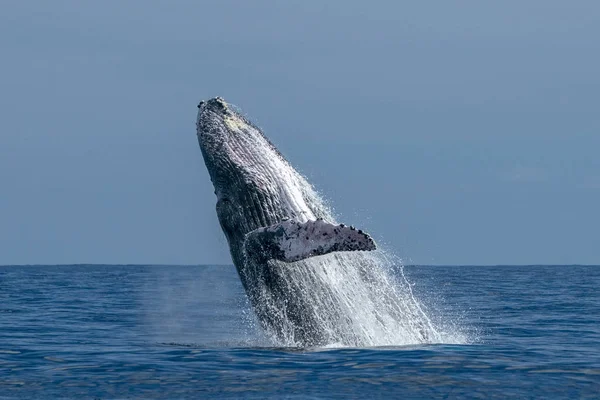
x=359, y=302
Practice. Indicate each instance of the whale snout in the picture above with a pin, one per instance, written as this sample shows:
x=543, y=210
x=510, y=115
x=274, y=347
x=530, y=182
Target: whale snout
x=211, y=116
x=224, y=136
x=232, y=147
x=214, y=104
x=217, y=101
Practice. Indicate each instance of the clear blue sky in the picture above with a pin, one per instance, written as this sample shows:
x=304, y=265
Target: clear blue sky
x=462, y=132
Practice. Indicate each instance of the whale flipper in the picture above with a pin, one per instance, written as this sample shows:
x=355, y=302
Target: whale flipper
x=291, y=240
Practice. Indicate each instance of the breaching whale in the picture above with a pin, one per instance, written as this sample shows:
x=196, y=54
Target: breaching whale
x=290, y=252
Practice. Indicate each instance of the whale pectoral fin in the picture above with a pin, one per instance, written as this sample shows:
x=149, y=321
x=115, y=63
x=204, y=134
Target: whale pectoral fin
x=293, y=241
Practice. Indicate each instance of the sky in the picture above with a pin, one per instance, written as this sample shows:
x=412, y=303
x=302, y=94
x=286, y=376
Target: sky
x=462, y=132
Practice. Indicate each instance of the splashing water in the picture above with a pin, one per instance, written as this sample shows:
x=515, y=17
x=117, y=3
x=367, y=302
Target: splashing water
x=360, y=303
x=354, y=297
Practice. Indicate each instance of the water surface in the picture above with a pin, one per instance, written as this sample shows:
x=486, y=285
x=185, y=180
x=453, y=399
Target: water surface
x=185, y=332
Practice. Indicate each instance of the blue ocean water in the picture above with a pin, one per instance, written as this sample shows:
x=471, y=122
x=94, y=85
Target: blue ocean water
x=171, y=332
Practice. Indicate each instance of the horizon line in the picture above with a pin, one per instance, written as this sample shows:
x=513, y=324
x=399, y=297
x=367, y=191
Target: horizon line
x=231, y=265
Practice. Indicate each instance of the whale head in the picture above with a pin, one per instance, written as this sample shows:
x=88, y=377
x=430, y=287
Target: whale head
x=255, y=186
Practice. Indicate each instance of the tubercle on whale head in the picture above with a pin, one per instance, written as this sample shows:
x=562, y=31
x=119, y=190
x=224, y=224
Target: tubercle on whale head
x=218, y=102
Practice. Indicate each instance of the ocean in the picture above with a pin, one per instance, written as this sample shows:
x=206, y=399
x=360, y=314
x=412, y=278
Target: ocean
x=186, y=332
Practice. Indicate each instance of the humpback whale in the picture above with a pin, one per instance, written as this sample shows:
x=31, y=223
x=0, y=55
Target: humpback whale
x=300, y=268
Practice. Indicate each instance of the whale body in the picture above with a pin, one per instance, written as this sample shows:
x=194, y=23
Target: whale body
x=302, y=270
